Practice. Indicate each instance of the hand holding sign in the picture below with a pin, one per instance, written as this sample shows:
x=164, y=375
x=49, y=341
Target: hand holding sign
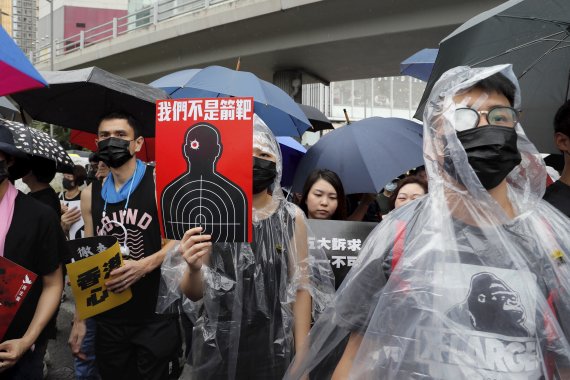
x=122, y=278
x=89, y=277
x=11, y=351
x=194, y=248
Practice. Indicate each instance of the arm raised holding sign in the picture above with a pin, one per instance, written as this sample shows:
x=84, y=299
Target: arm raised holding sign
x=195, y=250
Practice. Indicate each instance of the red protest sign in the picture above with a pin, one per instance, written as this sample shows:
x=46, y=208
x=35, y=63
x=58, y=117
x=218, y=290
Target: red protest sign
x=204, y=167
x=15, y=283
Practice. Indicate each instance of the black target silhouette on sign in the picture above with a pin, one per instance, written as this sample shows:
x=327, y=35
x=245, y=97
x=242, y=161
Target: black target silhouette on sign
x=202, y=196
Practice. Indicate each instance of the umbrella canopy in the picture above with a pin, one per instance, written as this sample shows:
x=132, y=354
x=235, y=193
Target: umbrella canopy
x=8, y=110
x=318, y=120
x=366, y=154
x=291, y=152
x=78, y=99
x=87, y=141
x=39, y=144
x=532, y=35
x=419, y=65
x=16, y=72
x=272, y=104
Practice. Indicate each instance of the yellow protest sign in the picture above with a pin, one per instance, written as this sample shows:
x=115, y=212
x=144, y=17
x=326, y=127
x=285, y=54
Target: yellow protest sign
x=88, y=277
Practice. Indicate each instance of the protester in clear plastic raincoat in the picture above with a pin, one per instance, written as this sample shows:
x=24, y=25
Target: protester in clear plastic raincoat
x=472, y=280
x=251, y=304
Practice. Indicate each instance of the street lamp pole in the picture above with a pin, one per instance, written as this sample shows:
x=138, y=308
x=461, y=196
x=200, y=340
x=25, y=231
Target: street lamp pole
x=52, y=44
x=52, y=47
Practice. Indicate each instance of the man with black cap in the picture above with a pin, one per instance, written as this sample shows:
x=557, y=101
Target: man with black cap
x=29, y=236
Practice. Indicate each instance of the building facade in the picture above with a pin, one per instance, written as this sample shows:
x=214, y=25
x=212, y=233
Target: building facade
x=19, y=18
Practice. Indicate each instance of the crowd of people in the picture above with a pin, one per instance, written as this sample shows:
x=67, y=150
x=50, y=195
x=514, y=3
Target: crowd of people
x=468, y=279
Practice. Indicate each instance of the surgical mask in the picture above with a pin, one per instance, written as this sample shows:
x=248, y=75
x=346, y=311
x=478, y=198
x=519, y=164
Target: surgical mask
x=114, y=151
x=390, y=187
x=264, y=173
x=67, y=184
x=3, y=170
x=491, y=151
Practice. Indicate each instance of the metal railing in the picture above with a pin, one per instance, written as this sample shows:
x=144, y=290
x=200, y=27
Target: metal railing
x=151, y=15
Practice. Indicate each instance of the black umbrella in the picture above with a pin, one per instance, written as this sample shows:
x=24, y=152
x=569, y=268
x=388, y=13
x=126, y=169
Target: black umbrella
x=39, y=144
x=78, y=99
x=318, y=120
x=534, y=36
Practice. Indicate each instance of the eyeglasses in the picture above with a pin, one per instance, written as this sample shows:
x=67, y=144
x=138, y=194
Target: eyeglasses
x=467, y=118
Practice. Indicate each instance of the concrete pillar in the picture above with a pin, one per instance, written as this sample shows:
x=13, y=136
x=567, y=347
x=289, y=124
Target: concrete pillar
x=290, y=81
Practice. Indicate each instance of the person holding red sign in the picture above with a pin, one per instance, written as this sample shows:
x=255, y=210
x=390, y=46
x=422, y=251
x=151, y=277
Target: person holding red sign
x=251, y=303
x=30, y=236
x=131, y=339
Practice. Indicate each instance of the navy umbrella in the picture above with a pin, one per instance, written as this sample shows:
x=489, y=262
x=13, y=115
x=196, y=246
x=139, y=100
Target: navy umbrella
x=291, y=152
x=366, y=154
x=272, y=104
x=420, y=64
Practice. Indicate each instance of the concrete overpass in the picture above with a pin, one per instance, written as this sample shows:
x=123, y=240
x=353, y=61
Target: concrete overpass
x=331, y=39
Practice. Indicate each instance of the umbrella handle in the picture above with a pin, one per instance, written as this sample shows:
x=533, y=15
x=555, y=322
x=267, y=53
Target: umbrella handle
x=346, y=116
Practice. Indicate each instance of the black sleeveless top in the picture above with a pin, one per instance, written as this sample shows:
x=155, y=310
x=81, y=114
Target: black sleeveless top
x=143, y=239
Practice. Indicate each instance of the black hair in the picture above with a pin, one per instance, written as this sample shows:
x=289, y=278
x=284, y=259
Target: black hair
x=94, y=157
x=133, y=123
x=79, y=175
x=500, y=84
x=403, y=182
x=562, y=119
x=332, y=178
x=43, y=169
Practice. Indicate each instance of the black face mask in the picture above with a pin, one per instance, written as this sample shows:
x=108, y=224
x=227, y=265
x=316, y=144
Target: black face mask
x=264, y=173
x=114, y=151
x=491, y=151
x=3, y=170
x=67, y=184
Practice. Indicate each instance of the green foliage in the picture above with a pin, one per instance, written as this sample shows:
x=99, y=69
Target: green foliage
x=59, y=133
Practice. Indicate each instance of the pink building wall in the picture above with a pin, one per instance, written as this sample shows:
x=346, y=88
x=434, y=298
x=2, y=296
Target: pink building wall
x=75, y=17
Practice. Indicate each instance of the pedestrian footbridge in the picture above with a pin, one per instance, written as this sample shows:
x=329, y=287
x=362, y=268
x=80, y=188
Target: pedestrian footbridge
x=330, y=40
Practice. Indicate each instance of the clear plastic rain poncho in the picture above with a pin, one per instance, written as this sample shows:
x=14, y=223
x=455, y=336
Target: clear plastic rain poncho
x=244, y=324
x=475, y=294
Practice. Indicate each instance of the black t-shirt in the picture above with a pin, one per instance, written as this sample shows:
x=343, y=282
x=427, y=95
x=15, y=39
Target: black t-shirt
x=143, y=239
x=558, y=195
x=36, y=242
x=49, y=197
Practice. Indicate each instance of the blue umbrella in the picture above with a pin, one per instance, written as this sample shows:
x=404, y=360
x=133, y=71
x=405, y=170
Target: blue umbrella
x=16, y=72
x=272, y=104
x=420, y=64
x=292, y=152
x=366, y=154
